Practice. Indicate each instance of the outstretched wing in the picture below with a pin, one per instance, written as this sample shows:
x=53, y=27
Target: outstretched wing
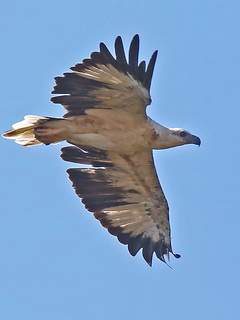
x=124, y=194
x=107, y=82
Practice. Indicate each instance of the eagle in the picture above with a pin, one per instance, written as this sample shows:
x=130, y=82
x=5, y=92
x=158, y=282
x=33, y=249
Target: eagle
x=108, y=130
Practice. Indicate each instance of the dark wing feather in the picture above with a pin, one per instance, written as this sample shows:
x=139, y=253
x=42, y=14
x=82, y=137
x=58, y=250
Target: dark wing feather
x=106, y=53
x=119, y=49
x=103, y=81
x=141, y=71
x=149, y=73
x=124, y=194
x=133, y=53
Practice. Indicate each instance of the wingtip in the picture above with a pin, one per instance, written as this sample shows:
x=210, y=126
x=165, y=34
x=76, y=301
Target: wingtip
x=148, y=260
x=101, y=44
x=149, y=263
x=147, y=257
x=136, y=37
x=119, y=38
x=150, y=69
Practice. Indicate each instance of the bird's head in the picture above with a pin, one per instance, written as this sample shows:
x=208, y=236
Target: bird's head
x=182, y=136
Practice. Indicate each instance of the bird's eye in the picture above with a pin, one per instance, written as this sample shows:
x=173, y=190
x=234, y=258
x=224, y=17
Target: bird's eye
x=183, y=134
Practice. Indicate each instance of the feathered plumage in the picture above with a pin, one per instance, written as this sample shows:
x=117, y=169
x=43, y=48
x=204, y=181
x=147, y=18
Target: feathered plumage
x=107, y=125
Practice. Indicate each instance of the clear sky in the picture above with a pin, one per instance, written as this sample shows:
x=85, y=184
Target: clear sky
x=56, y=261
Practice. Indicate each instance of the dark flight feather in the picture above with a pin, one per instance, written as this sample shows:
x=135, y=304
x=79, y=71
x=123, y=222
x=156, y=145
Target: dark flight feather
x=102, y=189
x=85, y=90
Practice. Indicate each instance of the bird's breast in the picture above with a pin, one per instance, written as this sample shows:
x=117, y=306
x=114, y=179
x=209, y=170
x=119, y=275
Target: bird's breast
x=120, y=135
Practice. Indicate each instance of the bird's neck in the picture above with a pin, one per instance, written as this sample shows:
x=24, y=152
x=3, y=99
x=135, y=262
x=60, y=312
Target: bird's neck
x=162, y=137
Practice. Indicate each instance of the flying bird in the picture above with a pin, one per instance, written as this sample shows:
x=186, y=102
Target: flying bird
x=109, y=131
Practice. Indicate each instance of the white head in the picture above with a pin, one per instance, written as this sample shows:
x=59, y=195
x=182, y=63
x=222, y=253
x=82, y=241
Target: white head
x=172, y=137
x=180, y=137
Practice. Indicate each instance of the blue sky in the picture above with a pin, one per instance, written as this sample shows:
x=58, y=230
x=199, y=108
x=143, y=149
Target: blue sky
x=56, y=261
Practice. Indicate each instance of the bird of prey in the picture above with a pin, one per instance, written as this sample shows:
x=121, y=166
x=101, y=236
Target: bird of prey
x=109, y=131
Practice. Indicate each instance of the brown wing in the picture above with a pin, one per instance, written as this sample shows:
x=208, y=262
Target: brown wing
x=124, y=194
x=107, y=82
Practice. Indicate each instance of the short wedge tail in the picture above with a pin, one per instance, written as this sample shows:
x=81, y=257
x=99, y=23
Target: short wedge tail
x=35, y=130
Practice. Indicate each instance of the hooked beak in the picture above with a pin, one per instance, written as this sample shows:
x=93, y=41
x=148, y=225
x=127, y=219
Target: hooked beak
x=195, y=140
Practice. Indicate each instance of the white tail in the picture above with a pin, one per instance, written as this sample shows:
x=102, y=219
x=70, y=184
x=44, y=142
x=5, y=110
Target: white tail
x=23, y=131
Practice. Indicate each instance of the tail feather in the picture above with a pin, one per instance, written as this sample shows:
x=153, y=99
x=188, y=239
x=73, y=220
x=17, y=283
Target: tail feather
x=24, y=131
